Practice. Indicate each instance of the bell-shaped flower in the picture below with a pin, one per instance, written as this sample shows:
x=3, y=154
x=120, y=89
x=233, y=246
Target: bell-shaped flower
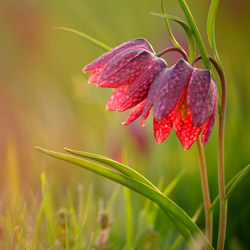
x=130, y=69
x=183, y=97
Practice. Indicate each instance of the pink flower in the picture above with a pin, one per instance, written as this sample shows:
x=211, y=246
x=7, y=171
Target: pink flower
x=129, y=68
x=183, y=97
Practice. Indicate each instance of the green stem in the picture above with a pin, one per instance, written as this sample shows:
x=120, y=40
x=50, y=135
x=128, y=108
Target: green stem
x=221, y=176
x=196, y=33
x=205, y=191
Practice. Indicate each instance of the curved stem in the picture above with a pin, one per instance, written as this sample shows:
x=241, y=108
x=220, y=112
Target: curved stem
x=183, y=53
x=205, y=191
x=221, y=176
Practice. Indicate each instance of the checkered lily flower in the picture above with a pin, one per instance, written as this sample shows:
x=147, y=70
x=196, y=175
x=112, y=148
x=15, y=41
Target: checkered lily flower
x=130, y=69
x=183, y=97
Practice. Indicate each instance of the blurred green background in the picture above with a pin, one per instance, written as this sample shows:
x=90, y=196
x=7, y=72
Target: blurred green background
x=45, y=100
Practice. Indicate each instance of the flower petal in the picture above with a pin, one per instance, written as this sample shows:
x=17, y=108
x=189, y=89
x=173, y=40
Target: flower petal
x=102, y=60
x=135, y=113
x=163, y=128
x=124, y=68
x=138, y=90
x=202, y=95
x=114, y=98
x=185, y=129
x=95, y=75
x=153, y=90
x=175, y=82
x=209, y=126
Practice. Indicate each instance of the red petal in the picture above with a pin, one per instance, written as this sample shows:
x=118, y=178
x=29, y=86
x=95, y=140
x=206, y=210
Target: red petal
x=125, y=68
x=202, y=95
x=114, y=98
x=177, y=78
x=185, y=130
x=102, y=60
x=95, y=75
x=138, y=90
x=163, y=128
x=135, y=113
x=209, y=126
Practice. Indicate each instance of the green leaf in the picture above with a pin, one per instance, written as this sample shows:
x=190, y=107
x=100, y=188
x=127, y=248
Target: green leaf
x=190, y=37
x=242, y=176
x=176, y=44
x=87, y=37
x=164, y=202
x=233, y=183
x=113, y=164
x=211, y=28
x=196, y=33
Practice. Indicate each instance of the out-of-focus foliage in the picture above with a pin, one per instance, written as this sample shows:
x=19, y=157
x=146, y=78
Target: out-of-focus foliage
x=45, y=100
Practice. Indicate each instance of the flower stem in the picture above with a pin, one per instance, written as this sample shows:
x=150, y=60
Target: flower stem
x=184, y=54
x=221, y=177
x=205, y=191
x=221, y=170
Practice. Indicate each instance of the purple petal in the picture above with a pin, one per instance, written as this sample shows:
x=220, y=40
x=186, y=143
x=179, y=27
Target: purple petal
x=175, y=82
x=138, y=90
x=135, y=113
x=125, y=68
x=154, y=88
x=209, y=126
x=136, y=43
x=202, y=95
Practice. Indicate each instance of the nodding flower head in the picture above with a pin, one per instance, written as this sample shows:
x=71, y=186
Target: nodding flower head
x=183, y=97
x=129, y=68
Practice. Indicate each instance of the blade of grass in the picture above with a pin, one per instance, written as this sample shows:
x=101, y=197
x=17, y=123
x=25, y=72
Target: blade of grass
x=48, y=209
x=87, y=37
x=35, y=244
x=211, y=28
x=67, y=232
x=113, y=164
x=196, y=33
x=189, y=34
x=228, y=186
x=79, y=237
x=243, y=176
x=176, y=44
x=73, y=215
x=179, y=238
x=21, y=230
x=139, y=187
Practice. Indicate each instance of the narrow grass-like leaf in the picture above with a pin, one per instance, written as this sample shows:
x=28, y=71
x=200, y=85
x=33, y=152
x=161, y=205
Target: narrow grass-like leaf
x=179, y=238
x=37, y=226
x=87, y=37
x=48, y=209
x=211, y=28
x=139, y=187
x=176, y=44
x=73, y=217
x=196, y=33
x=189, y=34
x=79, y=237
x=129, y=219
x=238, y=181
x=21, y=229
x=113, y=164
x=67, y=232
x=112, y=199
x=229, y=185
